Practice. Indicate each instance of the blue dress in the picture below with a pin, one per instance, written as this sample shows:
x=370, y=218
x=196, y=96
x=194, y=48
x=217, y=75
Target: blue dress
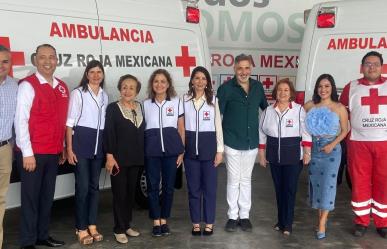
x=324, y=125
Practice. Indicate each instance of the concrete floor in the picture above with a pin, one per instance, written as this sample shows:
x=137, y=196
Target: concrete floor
x=263, y=217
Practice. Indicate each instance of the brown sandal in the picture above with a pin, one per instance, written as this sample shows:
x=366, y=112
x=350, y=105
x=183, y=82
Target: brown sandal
x=86, y=239
x=95, y=234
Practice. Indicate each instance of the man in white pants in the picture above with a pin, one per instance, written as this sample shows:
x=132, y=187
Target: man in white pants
x=239, y=101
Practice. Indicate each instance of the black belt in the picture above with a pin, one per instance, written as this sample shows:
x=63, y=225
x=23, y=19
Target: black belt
x=2, y=143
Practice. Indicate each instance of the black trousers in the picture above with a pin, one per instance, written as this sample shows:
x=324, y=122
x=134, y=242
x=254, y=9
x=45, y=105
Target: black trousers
x=37, y=194
x=123, y=189
x=285, y=178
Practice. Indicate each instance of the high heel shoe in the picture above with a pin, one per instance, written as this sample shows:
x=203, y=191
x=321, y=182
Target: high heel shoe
x=196, y=230
x=83, y=237
x=208, y=231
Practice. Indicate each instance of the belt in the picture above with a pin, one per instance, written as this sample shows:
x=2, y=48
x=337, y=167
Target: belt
x=2, y=143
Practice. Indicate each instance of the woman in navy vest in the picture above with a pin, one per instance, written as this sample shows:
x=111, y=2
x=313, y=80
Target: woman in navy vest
x=164, y=146
x=85, y=124
x=204, y=148
x=283, y=143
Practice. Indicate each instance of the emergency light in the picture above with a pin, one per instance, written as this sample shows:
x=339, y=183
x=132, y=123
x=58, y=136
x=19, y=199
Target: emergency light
x=326, y=17
x=193, y=15
x=192, y=12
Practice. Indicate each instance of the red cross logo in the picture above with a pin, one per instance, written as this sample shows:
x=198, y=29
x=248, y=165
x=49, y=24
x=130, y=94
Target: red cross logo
x=169, y=111
x=374, y=100
x=17, y=57
x=185, y=61
x=289, y=122
x=206, y=115
x=267, y=82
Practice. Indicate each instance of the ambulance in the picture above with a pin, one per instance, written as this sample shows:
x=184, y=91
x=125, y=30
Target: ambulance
x=127, y=36
x=337, y=36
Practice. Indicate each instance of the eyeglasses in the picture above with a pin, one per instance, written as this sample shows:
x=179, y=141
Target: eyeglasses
x=371, y=64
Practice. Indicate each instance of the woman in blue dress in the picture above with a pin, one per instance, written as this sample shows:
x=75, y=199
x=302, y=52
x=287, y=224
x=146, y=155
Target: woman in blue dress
x=327, y=122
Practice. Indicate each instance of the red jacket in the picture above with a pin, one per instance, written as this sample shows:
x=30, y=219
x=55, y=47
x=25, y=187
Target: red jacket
x=47, y=123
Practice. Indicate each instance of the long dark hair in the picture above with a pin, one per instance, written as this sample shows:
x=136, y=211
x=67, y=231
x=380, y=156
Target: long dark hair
x=170, y=91
x=208, y=92
x=334, y=96
x=85, y=80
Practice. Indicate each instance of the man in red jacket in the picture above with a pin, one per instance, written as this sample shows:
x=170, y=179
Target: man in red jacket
x=41, y=112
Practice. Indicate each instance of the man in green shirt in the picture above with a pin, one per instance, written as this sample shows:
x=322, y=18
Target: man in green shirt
x=239, y=101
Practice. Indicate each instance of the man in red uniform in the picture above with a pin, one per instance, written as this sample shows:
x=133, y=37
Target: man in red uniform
x=41, y=112
x=366, y=100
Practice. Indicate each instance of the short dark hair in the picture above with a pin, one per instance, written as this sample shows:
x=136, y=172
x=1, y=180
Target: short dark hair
x=208, y=92
x=85, y=80
x=129, y=77
x=334, y=96
x=372, y=53
x=242, y=57
x=4, y=49
x=46, y=45
x=291, y=87
x=170, y=91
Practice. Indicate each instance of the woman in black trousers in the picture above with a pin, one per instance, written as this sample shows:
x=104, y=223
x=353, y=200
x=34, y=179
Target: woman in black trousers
x=124, y=146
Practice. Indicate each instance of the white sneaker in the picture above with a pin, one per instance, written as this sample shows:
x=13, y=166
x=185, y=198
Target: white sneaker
x=121, y=238
x=132, y=233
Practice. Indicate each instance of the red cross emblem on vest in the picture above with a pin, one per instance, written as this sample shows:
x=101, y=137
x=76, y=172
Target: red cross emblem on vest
x=169, y=111
x=185, y=61
x=374, y=100
x=206, y=115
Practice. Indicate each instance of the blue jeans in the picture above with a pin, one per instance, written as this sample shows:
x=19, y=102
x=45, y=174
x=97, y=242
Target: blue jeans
x=166, y=167
x=87, y=173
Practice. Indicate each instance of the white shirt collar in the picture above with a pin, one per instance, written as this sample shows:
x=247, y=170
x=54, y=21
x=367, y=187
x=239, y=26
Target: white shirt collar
x=42, y=80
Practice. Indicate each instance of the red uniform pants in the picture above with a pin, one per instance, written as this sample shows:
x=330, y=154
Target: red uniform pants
x=368, y=170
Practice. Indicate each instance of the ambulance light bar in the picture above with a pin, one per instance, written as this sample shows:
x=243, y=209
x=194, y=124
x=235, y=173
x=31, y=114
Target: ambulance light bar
x=326, y=17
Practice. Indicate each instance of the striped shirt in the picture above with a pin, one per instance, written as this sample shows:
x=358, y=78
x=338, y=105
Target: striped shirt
x=8, y=92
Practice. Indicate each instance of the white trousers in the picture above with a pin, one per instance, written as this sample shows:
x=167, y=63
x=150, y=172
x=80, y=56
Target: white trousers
x=239, y=165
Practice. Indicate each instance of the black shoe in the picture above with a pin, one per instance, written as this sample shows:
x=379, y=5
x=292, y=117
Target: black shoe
x=196, y=231
x=359, y=230
x=165, y=230
x=208, y=231
x=156, y=231
x=231, y=225
x=245, y=225
x=50, y=242
x=382, y=231
x=28, y=247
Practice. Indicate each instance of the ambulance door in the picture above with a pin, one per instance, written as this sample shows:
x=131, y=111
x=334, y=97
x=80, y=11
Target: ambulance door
x=142, y=37
x=71, y=26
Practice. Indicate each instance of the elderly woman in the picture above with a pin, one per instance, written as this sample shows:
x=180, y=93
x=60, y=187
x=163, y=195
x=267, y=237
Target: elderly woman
x=85, y=125
x=327, y=121
x=124, y=147
x=164, y=146
x=283, y=143
x=204, y=149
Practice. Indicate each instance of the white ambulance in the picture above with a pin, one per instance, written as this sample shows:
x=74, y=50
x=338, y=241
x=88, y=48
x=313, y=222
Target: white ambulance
x=127, y=36
x=337, y=36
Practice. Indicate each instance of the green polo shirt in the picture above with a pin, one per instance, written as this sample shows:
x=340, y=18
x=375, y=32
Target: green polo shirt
x=241, y=113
